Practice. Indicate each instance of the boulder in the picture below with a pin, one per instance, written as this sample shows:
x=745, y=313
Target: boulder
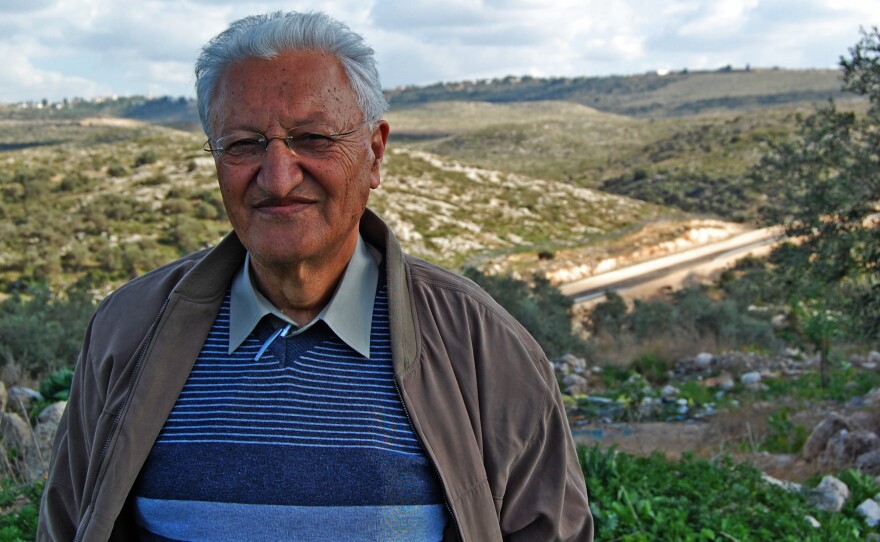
x=830, y=495
x=52, y=413
x=572, y=364
x=751, y=380
x=15, y=432
x=874, y=357
x=845, y=446
x=866, y=420
x=704, y=359
x=870, y=510
x=669, y=391
x=575, y=384
x=818, y=439
x=4, y=396
x=21, y=399
x=869, y=462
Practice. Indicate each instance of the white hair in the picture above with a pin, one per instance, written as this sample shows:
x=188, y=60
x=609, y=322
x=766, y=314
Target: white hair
x=268, y=36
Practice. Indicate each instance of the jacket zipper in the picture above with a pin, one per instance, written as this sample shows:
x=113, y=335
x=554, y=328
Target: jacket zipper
x=430, y=460
x=80, y=530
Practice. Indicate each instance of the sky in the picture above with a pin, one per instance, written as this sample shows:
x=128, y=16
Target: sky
x=57, y=49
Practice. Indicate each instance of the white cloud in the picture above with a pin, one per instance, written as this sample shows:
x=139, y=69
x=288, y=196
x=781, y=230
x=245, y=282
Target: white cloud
x=22, y=81
x=63, y=48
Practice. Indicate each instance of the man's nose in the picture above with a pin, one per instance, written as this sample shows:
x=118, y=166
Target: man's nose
x=280, y=170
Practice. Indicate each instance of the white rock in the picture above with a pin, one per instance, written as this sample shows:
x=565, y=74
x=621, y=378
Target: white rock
x=52, y=413
x=704, y=359
x=870, y=510
x=751, y=381
x=830, y=495
x=21, y=399
x=784, y=484
x=15, y=432
x=575, y=384
x=669, y=391
x=814, y=523
x=874, y=356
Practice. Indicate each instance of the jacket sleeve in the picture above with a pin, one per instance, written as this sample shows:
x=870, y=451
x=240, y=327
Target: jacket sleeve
x=546, y=496
x=63, y=499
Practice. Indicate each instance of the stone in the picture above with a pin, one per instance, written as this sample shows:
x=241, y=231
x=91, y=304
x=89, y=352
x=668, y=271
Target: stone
x=575, y=384
x=779, y=321
x=869, y=462
x=52, y=413
x=575, y=364
x=784, y=484
x=845, y=446
x=830, y=495
x=4, y=396
x=21, y=399
x=38, y=460
x=751, y=380
x=669, y=391
x=873, y=356
x=872, y=398
x=814, y=523
x=870, y=510
x=704, y=359
x=818, y=439
x=15, y=432
x=866, y=420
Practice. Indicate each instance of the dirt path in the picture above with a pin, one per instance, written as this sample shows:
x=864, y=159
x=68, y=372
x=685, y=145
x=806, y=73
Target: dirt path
x=673, y=439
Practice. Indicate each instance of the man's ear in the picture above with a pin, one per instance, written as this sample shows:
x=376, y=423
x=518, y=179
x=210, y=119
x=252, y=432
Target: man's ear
x=378, y=140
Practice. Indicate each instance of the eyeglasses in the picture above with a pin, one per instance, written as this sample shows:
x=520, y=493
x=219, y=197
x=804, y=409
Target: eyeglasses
x=241, y=148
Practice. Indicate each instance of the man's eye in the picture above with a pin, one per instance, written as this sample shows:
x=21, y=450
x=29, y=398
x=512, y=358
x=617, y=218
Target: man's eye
x=243, y=146
x=311, y=141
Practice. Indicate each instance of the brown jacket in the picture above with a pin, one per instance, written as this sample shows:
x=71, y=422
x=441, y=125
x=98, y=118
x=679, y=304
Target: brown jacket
x=480, y=392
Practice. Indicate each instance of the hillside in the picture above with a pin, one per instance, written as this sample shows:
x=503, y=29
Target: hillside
x=110, y=189
x=694, y=163
x=649, y=95
x=645, y=96
x=108, y=199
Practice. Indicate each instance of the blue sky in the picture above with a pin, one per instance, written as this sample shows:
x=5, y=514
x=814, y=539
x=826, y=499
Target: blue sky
x=65, y=48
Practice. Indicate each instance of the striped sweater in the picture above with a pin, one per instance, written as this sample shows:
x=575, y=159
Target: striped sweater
x=309, y=442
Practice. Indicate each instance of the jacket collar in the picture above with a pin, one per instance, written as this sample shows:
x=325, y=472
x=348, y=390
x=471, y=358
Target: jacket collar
x=211, y=276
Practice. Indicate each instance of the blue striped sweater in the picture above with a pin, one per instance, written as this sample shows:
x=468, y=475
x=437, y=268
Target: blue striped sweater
x=310, y=442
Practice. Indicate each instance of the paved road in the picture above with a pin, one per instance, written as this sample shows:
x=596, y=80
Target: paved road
x=673, y=270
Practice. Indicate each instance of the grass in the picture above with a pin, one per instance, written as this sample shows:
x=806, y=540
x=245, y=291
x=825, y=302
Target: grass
x=642, y=499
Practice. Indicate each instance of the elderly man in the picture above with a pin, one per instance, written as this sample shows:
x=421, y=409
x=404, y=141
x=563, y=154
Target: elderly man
x=304, y=379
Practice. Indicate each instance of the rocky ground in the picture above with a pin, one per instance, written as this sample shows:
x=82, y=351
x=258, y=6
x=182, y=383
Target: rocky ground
x=718, y=404
x=737, y=420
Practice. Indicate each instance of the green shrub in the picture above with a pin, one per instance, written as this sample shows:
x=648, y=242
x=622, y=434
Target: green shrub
x=783, y=436
x=42, y=330
x=642, y=499
x=148, y=156
x=540, y=307
x=115, y=169
x=653, y=367
x=20, y=523
x=158, y=179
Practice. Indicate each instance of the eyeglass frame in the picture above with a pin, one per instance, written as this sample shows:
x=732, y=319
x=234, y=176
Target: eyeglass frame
x=287, y=139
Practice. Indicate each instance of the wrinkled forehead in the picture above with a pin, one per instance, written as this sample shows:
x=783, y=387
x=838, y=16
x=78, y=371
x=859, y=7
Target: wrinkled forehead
x=293, y=88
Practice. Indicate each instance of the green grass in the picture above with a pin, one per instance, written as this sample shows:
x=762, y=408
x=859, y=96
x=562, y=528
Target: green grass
x=20, y=504
x=643, y=499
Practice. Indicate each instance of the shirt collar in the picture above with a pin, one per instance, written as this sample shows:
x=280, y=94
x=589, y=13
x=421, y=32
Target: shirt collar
x=349, y=313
